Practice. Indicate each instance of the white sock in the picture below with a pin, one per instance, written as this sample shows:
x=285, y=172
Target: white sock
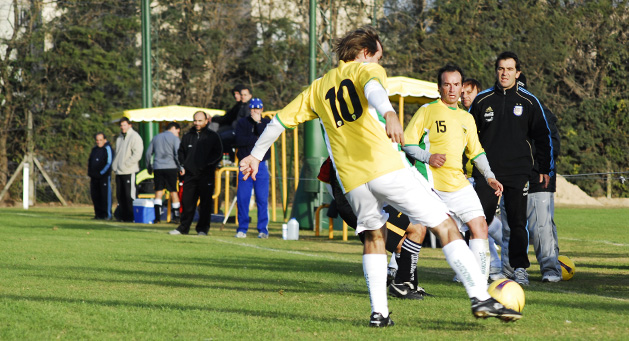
x=480, y=248
x=375, y=269
x=461, y=260
x=176, y=205
x=157, y=202
x=393, y=262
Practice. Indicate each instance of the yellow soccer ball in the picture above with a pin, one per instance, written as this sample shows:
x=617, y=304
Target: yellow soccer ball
x=509, y=293
x=567, y=267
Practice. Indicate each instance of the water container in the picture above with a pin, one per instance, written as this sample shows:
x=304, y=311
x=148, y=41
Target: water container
x=293, y=230
x=284, y=231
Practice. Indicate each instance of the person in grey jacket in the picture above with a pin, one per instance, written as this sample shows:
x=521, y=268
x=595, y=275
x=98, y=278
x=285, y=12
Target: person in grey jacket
x=165, y=167
x=129, y=148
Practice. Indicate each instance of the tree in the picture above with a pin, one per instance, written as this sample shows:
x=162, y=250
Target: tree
x=16, y=83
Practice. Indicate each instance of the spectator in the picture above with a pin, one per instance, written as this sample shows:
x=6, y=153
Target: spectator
x=129, y=148
x=248, y=129
x=225, y=122
x=199, y=153
x=166, y=167
x=99, y=171
x=509, y=120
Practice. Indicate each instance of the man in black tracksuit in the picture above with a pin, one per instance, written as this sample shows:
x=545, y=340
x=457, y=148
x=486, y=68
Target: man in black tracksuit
x=199, y=153
x=509, y=119
x=99, y=171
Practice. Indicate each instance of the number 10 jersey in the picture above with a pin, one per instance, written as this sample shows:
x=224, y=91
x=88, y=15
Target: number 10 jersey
x=354, y=132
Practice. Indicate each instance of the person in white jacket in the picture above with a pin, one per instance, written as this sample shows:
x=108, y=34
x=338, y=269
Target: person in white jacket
x=129, y=151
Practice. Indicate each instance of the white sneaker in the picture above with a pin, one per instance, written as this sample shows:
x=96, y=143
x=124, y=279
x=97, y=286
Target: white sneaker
x=551, y=279
x=263, y=235
x=521, y=276
x=174, y=232
x=496, y=274
x=241, y=235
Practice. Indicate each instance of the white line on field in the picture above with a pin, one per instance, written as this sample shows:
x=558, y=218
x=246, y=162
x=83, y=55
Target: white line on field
x=595, y=241
x=285, y=251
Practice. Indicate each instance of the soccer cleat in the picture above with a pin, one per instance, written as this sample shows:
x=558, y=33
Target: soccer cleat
x=551, y=279
x=379, y=321
x=263, y=235
x=391, y=272
x=241, y=235
x=492, y=308
x=423, y=292
x=405, y=291
x=521, y=277
x=174, y=232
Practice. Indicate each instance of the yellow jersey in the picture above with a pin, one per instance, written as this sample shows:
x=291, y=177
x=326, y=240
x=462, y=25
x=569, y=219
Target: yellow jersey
x=354, y=132
x=439, y=129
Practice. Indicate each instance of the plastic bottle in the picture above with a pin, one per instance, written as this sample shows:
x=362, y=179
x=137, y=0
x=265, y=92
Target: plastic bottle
x=284, y=231
x=293, y=229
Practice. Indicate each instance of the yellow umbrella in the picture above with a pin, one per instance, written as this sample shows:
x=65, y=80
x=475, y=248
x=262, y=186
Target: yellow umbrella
x=168, y=113
x=411, y=90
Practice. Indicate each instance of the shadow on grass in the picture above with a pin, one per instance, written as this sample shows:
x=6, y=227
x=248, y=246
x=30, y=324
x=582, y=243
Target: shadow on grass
x=353, y=320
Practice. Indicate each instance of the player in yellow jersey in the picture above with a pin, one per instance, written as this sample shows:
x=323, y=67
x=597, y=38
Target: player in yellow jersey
x=351, y=102
x=437, y=136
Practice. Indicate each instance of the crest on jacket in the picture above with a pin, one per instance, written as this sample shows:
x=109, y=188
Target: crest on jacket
x=517, y=110
x=489, y=114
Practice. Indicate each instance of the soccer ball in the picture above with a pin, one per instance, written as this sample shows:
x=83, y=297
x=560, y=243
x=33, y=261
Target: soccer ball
x=567, y=267
x=509, y=293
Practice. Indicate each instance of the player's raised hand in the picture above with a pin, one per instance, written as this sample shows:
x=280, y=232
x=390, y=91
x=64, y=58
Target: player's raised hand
x=394, y=127
x=496, y=185
x=249, y=167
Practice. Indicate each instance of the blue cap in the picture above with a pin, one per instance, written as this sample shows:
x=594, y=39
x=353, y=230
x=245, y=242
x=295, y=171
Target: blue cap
x=256, y=103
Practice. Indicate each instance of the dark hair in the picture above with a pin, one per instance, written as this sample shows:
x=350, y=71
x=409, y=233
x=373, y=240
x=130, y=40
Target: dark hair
x=124, y=119
x=352, y=43
x=173, y=124
x=203, y=112
x=100, y=133
x=448, y=68
x=474, y=83
x=507, y=55
x=243, y=87
x=237, y=88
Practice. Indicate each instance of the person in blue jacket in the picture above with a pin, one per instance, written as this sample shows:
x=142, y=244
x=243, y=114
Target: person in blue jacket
x=248, y=129
x=99, y=171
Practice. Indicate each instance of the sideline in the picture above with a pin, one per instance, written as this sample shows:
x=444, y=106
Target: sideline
x=594, y=241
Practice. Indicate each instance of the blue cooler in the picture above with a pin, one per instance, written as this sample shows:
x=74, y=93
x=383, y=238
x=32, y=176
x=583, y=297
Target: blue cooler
x=143, y=211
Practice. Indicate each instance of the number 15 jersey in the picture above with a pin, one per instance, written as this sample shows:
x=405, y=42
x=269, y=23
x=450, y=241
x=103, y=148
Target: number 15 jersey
x=354, y=132
x=439, y=129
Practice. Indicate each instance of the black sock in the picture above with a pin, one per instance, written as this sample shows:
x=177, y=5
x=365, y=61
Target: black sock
x=407, y=262
x=158, y=212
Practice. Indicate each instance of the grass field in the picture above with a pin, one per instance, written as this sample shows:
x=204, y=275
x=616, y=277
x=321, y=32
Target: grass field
x=66, y=276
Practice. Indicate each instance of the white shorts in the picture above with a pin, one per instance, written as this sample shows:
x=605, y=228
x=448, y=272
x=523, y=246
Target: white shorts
x=406, y=190
x=463, y=204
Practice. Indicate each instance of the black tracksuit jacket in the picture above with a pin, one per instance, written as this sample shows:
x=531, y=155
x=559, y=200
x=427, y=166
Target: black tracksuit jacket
x=512, y=126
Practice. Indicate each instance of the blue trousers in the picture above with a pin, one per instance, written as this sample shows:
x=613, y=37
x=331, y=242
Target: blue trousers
x=261, y=189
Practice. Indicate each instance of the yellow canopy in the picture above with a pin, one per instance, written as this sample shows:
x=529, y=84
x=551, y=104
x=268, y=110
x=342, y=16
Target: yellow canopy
x=413, y=90
x=168, y=113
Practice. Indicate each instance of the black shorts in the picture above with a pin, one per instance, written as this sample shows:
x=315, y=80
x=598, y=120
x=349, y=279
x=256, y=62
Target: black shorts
x=165, y=178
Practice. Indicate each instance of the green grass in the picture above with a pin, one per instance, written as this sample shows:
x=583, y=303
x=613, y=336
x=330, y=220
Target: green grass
x=65, y=276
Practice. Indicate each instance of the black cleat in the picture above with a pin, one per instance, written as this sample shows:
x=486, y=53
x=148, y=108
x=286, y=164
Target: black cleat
x=379, y=321
x=423, y=292
x=492, y=308
x=405, y=290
